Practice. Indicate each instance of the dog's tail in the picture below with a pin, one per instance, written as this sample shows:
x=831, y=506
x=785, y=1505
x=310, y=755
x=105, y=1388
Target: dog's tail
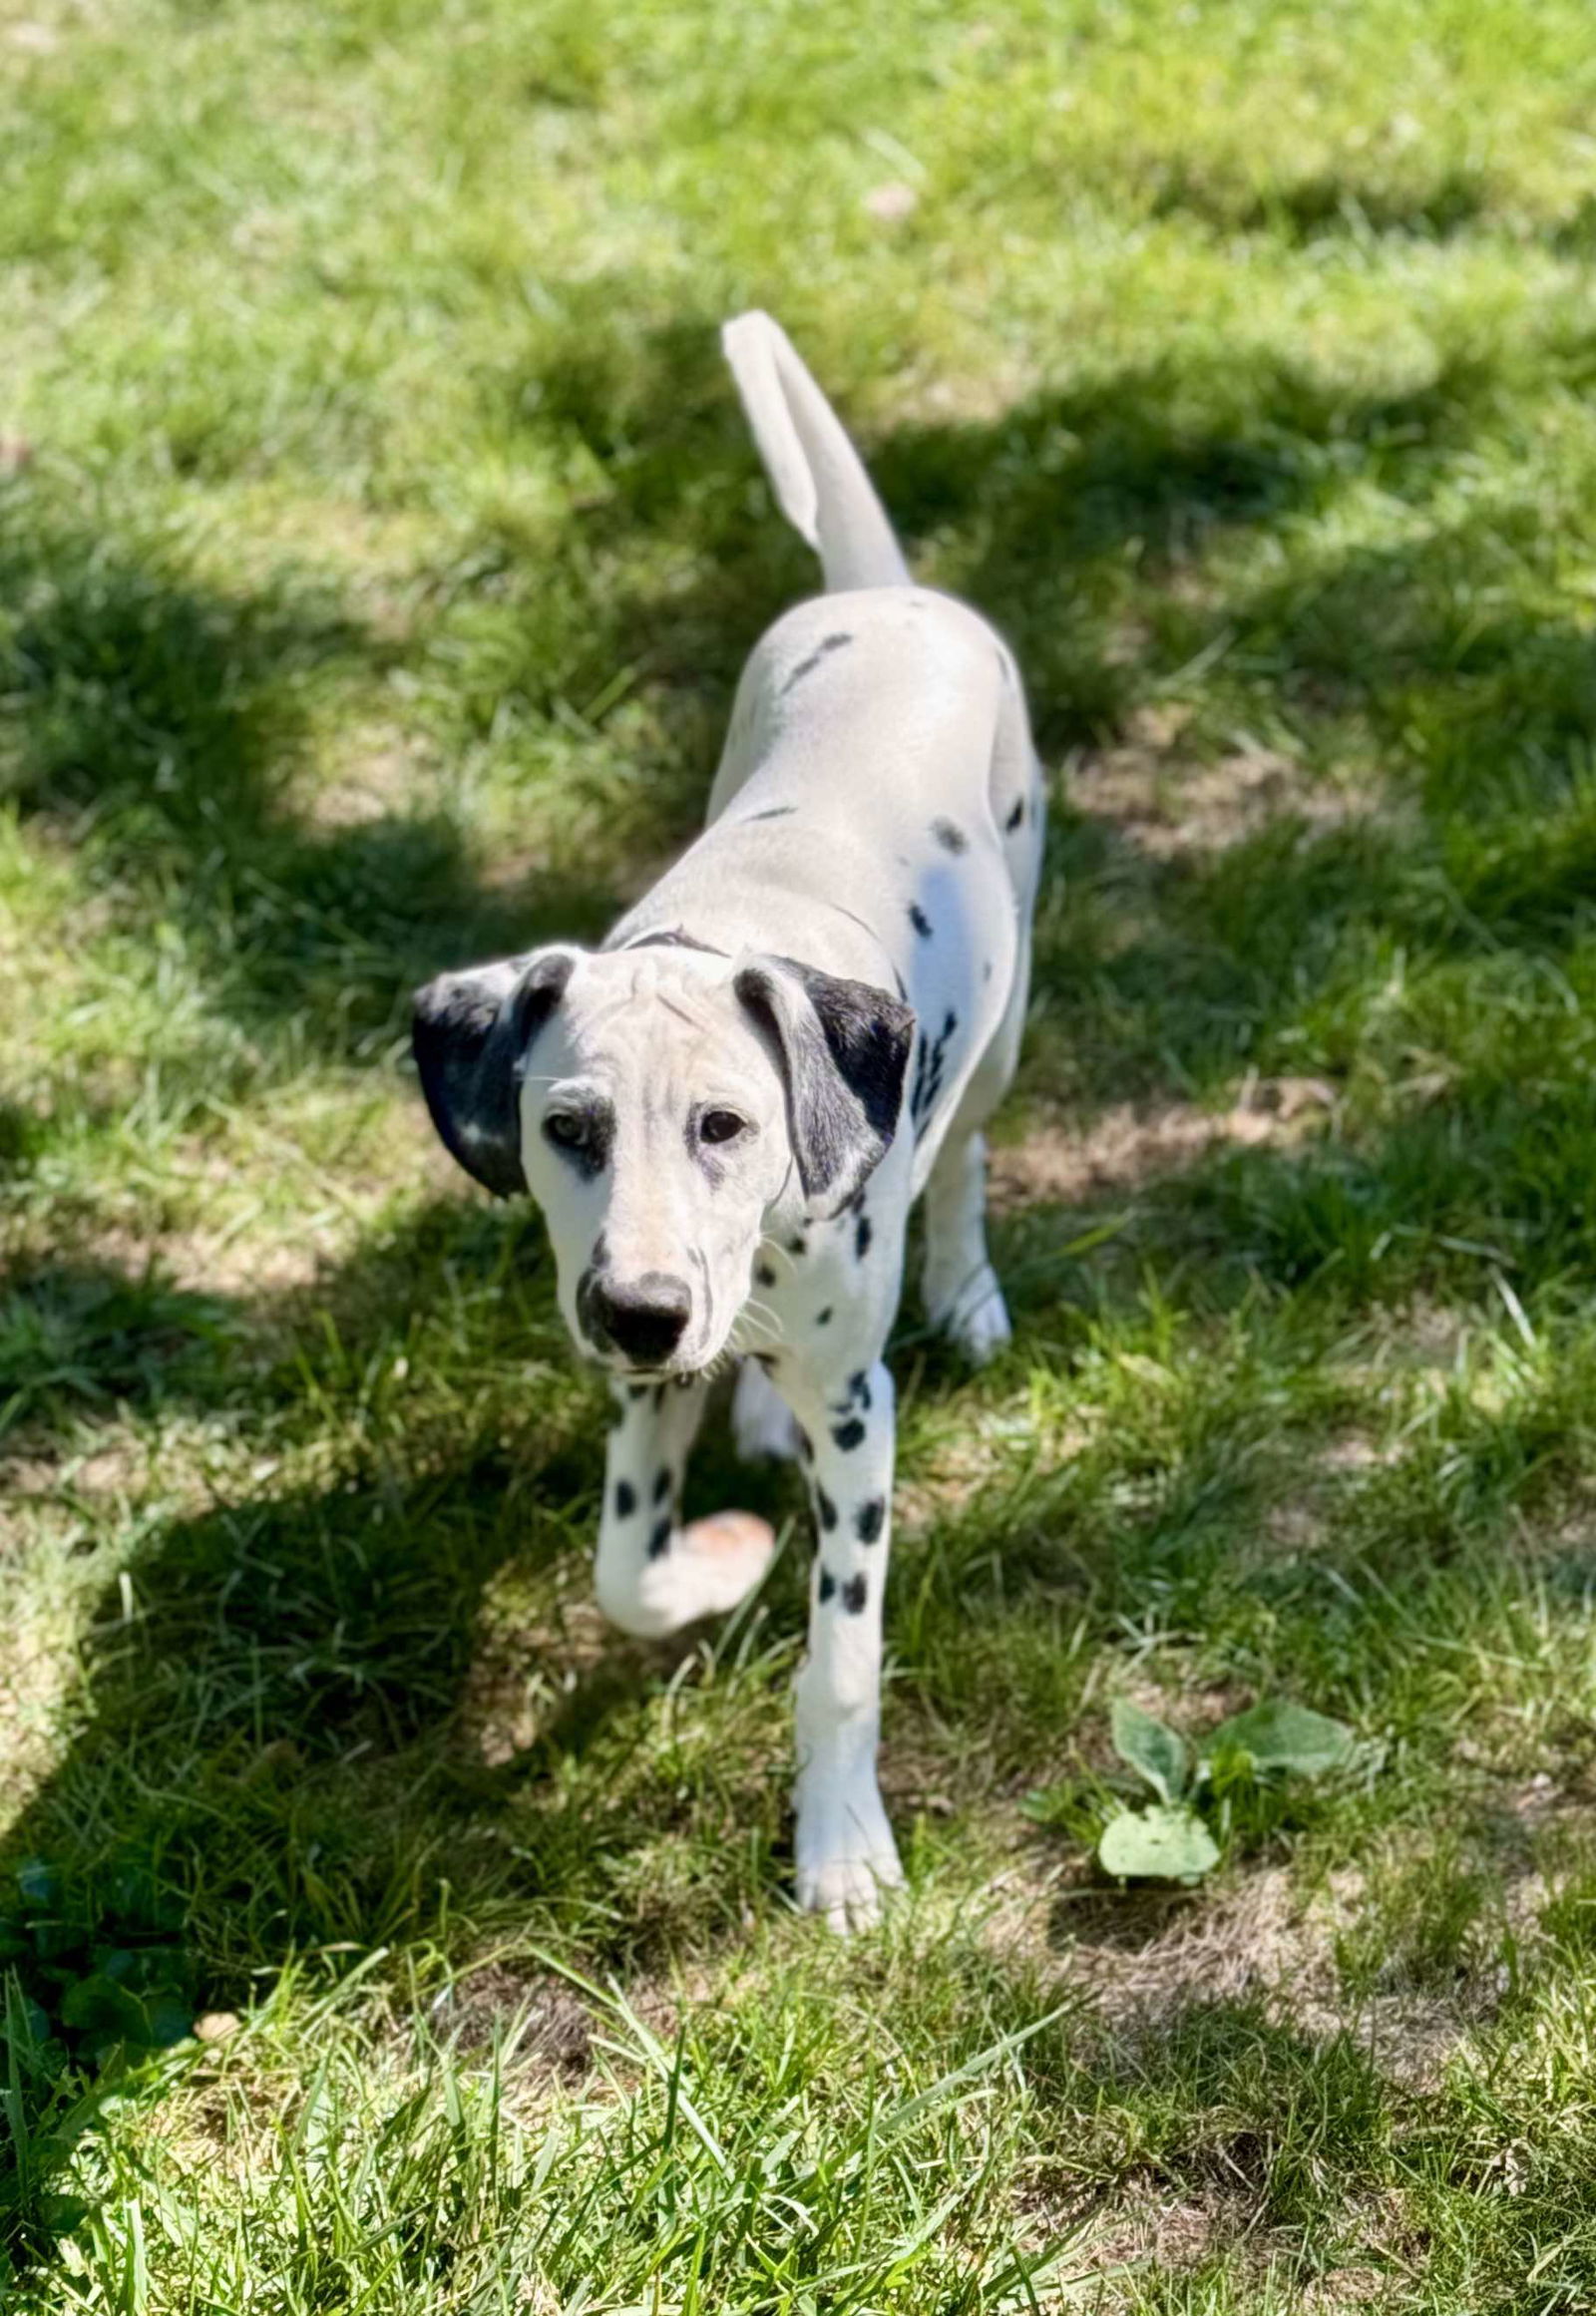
x=817, y=475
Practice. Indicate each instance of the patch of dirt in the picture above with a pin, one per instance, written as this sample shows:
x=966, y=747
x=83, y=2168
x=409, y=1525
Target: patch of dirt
x=1168, y=806
x=1141, y=1958
x=522, y=1671
x=551, y=2028
x=1127, y=1146
x=380, y=776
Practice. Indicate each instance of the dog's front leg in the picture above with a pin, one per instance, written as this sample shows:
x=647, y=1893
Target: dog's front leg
x=653, y=1574
x=846, y=1854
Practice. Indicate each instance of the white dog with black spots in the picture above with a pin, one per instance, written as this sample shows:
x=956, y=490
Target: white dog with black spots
x=728, y=1111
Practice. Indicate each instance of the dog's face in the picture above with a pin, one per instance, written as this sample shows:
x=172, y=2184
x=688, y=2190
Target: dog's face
x=662, y=1103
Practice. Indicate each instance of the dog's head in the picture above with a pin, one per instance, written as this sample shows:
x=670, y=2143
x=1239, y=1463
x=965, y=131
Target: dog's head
x=664, y=1106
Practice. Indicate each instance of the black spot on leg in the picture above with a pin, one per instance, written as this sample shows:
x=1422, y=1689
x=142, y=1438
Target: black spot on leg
x=854, y=1593
x=827, y=1585
x=859, y=1389
x=823, y=1318
x=869, y=1518
x=848, y=1435
x=662, y=1483
x=625, y=1499
x=636, y=1390
x=861, y=1238
x=1017, y=812
x=920, y=921
x=659, y=1541
x=764, y=1275
x=950, y=836
x=825, y=1510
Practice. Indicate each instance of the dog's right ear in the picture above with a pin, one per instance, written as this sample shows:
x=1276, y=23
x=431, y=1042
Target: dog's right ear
x=470, y=1033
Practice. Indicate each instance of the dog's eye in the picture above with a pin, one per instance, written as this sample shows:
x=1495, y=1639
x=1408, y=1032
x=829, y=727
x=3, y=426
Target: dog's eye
x=720, y=1126
x=566, y=1129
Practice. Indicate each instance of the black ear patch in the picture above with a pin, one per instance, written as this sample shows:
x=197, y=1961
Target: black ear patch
x=843, y=1049
x=470, y=1034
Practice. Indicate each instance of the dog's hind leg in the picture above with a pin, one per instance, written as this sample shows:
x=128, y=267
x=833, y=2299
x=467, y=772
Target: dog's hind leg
x=962, y=1294
x=762, y=1424
x=652, y=1574
x=959, y=1285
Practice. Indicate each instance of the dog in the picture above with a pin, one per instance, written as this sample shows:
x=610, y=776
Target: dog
x=728, y=1111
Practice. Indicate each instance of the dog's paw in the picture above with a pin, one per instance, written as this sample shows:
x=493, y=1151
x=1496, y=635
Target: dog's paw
x=705, y=1568
x=762, y=1424
x=723, y=1557
x=847, y=1858
x=976, y=1320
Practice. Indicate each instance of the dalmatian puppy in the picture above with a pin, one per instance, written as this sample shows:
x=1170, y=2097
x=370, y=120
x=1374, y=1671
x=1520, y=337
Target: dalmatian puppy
x=728, y=1109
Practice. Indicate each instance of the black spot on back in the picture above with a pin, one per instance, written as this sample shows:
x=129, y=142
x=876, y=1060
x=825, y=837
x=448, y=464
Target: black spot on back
x=848, y=1435
x=823, y=1318
x=950, y=836
x=1017, y=812
x=625, y=1499
x=920, y=921
x=861, y=1238
x=764, y=1274
x=676, y=937
x=827, y=643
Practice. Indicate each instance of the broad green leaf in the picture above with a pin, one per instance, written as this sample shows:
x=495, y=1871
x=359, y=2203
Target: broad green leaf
x=1171, y=1845
x=1152, y=1750
x=1281, y=1736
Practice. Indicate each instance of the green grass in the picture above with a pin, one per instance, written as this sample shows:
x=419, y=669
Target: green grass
x=379, y=543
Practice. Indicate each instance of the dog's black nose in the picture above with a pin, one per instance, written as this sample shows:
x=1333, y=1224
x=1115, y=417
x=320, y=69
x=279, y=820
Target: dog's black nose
x=642, y=1318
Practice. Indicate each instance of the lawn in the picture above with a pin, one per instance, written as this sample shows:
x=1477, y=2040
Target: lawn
x=379, y=542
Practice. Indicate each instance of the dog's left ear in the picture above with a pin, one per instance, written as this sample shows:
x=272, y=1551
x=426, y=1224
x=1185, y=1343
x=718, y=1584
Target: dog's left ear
x=842, y=1048
x=470, y=1033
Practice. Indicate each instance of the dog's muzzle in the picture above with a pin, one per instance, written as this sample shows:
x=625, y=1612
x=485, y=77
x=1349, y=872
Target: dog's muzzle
x=641, y=1319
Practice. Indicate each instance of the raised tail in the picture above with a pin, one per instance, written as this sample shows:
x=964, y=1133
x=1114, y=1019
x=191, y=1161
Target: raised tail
x=817, y=475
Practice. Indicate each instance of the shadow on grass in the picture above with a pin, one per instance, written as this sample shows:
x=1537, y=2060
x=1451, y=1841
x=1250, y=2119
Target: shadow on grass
x=160, y=724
